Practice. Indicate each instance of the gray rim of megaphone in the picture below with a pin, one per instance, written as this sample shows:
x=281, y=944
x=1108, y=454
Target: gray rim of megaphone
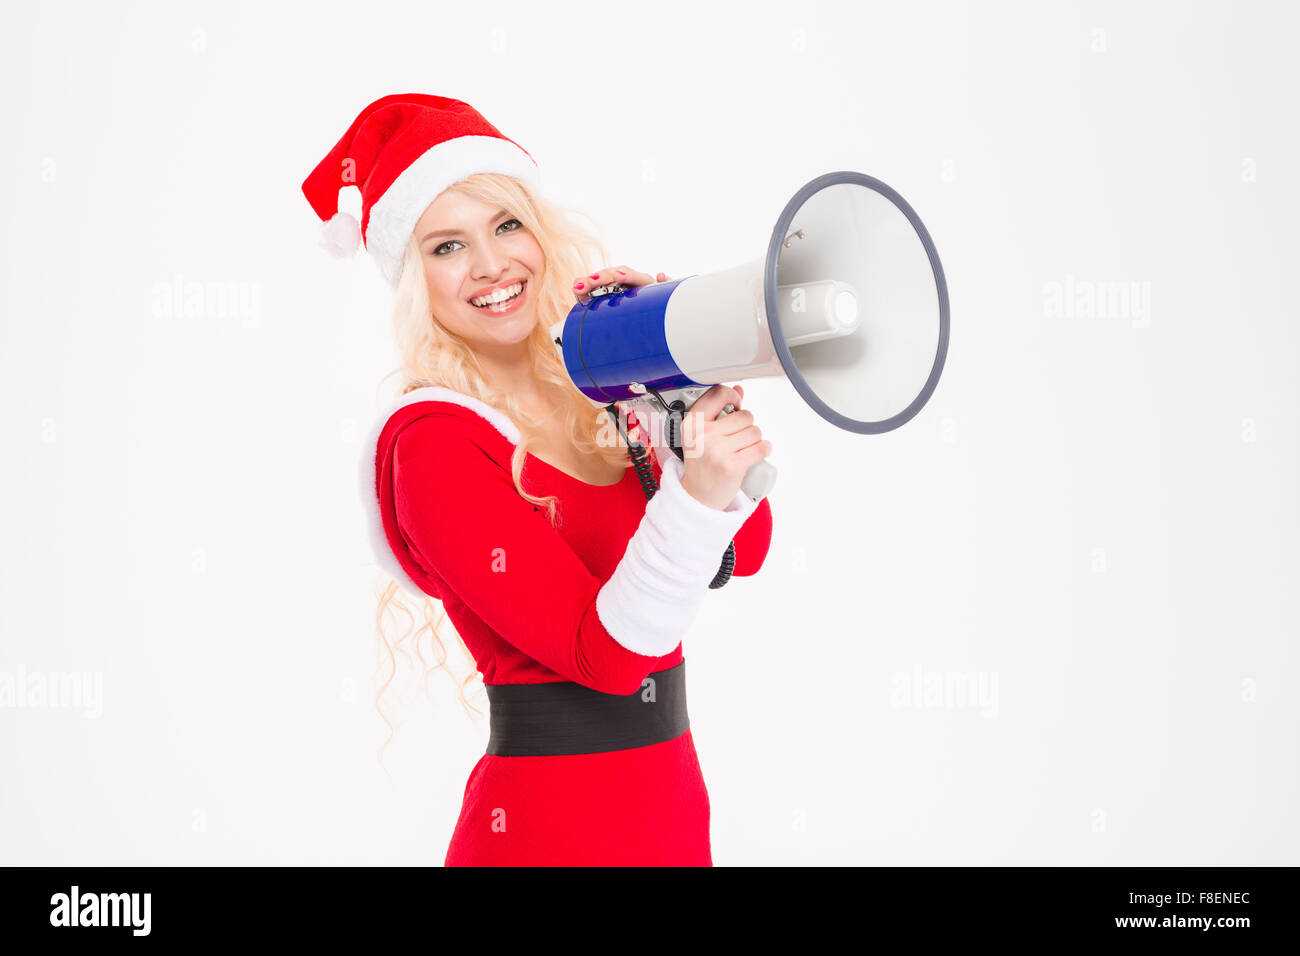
x=774, y=318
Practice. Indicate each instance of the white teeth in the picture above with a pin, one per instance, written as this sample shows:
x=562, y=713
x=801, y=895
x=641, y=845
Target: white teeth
x=499, y=296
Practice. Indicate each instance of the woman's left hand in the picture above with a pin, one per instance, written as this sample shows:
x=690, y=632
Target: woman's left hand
x=623, y=275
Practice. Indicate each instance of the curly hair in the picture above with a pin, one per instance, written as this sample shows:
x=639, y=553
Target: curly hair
x=429, y=354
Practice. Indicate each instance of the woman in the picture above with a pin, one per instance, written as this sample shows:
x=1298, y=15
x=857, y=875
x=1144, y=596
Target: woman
x=492, y=485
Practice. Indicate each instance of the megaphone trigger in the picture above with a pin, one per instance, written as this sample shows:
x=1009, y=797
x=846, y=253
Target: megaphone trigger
x=637, y=423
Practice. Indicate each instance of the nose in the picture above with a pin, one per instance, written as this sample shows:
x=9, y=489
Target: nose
x=490, y=260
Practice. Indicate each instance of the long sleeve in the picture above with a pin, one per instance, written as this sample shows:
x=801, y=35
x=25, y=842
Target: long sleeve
x=459, y=513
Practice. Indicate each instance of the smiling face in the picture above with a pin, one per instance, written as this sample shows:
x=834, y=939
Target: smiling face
x=472, y=250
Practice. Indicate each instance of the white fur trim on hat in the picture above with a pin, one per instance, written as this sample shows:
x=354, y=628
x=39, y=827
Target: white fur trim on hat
x=368, y=474
x=340, y=235
x=394, y=214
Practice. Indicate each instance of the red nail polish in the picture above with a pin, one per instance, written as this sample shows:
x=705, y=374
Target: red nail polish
x=596, y=276
x=621, y=272
x=578, y=285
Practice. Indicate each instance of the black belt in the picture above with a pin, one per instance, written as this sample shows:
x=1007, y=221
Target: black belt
x=534, y=720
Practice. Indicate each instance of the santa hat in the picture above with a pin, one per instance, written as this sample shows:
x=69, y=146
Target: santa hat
x=402, y=151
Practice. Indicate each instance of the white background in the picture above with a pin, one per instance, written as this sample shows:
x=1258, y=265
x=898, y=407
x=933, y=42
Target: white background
x=1091, y=514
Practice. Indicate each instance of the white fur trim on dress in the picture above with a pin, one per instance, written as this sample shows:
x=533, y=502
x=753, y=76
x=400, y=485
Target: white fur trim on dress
x=368, y=473
x=656, y=590
x=394, y=214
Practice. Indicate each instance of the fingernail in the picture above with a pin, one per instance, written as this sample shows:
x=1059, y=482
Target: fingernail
x=578, y=285
x=621, y=272
x=596, y=276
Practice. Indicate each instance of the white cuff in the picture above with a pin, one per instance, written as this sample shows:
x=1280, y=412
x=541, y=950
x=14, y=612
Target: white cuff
x=657, y=588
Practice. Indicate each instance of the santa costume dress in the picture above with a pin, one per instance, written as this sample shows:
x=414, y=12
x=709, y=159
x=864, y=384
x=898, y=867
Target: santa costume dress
x=597, y=602
x=576, y=628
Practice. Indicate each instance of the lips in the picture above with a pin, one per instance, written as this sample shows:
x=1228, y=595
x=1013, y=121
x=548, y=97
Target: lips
x=493, y=289
x=506, y=305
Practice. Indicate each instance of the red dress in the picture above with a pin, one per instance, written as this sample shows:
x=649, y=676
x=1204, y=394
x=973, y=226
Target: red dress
x=522, y=595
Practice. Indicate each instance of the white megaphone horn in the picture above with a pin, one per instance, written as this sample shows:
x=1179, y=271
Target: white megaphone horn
x=849, y=303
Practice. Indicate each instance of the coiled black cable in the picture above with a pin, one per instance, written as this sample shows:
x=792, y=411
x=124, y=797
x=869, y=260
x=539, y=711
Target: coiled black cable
x=645, y=474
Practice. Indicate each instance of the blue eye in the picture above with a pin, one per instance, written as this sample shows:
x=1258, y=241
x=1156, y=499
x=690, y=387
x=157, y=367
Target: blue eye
x=437, y=251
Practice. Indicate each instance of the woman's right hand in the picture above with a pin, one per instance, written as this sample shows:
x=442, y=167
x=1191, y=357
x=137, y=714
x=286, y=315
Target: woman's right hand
x=717, y=454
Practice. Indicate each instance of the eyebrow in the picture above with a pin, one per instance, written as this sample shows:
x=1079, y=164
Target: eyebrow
x=457, y=232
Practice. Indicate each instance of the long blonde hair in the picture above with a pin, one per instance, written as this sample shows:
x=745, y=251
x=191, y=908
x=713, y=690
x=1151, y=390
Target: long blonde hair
x=431, y=355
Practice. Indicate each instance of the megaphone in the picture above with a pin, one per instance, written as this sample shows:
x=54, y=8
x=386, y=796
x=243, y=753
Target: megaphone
x=849, y=304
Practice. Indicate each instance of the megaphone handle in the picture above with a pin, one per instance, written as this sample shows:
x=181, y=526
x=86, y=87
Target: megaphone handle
x=759, y=480
x=640, y=461
x=761, y=475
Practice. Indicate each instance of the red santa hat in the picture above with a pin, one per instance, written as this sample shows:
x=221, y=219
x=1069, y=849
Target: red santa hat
x=402, y=151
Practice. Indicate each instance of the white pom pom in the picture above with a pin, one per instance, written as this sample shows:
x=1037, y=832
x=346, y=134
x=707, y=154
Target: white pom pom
x=341, y=235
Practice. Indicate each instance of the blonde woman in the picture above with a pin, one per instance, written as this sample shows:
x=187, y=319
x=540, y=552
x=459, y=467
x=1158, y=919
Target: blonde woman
x=492, y=486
